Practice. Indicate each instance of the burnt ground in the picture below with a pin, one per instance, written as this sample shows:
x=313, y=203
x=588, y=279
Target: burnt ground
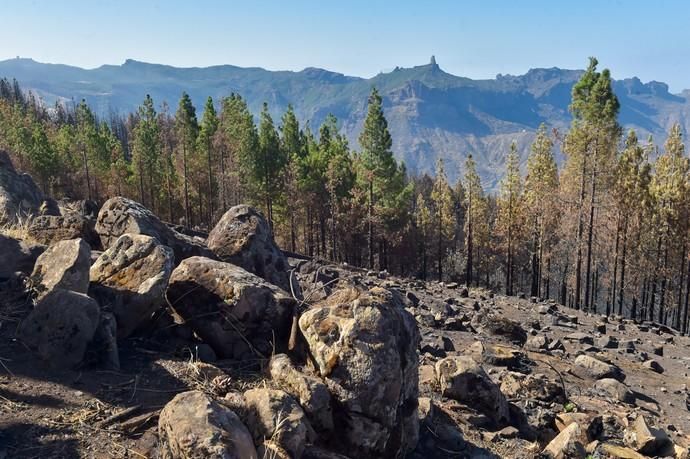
x=57, y=413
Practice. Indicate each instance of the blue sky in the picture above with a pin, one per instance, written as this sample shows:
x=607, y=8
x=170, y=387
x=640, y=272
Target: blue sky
x=478, y=39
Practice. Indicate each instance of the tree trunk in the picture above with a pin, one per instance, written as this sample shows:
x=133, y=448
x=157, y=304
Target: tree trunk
x=622, y=284
x=590, y=235
x=187, y=212
x=580, y=231
x=370, y=232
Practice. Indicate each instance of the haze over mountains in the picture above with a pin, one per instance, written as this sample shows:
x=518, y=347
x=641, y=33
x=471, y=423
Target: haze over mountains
x=431, y=113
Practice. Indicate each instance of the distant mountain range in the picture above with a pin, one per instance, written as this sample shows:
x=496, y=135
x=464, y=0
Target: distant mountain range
x=431, y=113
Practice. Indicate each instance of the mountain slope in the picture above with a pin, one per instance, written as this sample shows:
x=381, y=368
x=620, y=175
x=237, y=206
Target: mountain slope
x=431, y=113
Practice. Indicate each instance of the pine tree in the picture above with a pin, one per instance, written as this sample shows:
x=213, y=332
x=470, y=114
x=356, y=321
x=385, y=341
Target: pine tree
x=266, y=165
x=476, y=219
x=632, y=201
x=378, y=166
x=510, y=214
x=237, y=141
x=292, y=150
x=423, y=223
x=187, y=130
x=541, y=190
x=209, y=126
x=146, y=153
x=669, y=189
x=444, y=218
x=590, y=146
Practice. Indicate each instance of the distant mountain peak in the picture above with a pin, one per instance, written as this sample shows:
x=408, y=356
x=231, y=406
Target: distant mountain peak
x=433, y=60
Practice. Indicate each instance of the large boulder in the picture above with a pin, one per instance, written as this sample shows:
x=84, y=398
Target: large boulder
x=310, y=391
x=48, y=229
x=238, y=313
x=19, y=195
x=243, y=237
x=61, y=326
x=464, y=380
x=194, y=426
x=364, y=346
x=120, y=215
x=274, y=414
x=64, y=265
x=130, y=279
x=17, y=256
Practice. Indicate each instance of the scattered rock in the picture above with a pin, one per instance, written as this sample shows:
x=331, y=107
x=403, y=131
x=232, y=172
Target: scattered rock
x=236, y=312
x=120, y=216
x=648, y=440
x=19, y=195
x=194, y=426
x=63, y=265
x=242, y=237
x=494, y=324
x=365, y=346
x=17, y=256
x=273, y=414
x=464, y=380
x=130, y=278
x=615, y=389
x=566, y=445
x=61, y=327
x=586, y=366
x=310, y=391
x=48, y=229
x=654, y=366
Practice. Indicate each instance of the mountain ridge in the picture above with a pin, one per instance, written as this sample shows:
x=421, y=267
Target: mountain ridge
x=432, y=114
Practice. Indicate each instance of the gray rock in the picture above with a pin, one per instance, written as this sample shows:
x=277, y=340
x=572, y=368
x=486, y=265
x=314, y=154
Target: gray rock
x=586, y=366
x=242, y=237
x=19, y=195
x=60, y=327
x=654, y=366
x=17, y=256
x=615, y=389
x=63, y=265
x=120, y=216
x=310, y=391
x=48, y=229
x=236, y=312
x=273, y=414
x=130, y=278
x=364, y=345
x=193, y=426
x=464, y=380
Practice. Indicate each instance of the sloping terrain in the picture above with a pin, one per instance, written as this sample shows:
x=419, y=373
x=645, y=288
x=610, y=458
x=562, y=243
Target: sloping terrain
x=431, y=113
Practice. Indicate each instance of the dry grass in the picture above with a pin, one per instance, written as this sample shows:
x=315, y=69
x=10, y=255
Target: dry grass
x=17, y=228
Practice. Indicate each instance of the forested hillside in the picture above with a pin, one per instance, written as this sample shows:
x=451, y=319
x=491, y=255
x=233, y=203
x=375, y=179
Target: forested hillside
x=432, y=114
x=607, y=231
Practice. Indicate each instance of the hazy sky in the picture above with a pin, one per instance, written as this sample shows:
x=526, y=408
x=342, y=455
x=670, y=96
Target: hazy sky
x=478, y=39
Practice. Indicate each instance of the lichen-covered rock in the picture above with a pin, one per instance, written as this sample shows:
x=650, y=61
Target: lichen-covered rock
x=19, y=195
x=310, y=391
x=130, y=279
x=242, y=237
x=119, y=216
x=274, y=414
x=17, y=256
x=64, y=265
x=464, y=380
x=60, y=327
x=193, y=426
x=238, y=313
x=364, y=345
x=48, y=229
